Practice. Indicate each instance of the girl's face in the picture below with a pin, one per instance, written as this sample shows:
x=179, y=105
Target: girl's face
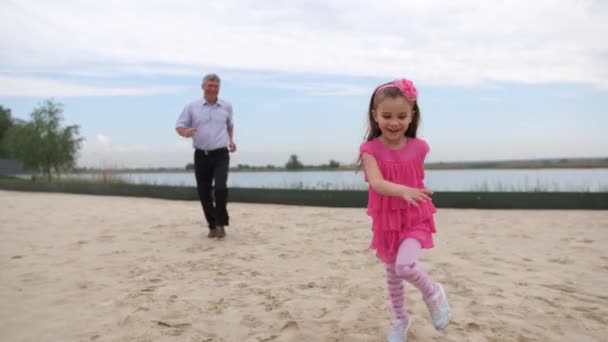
x=393, y=116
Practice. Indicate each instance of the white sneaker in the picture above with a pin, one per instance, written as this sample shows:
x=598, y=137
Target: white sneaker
x=439, y=308
x=398, y=330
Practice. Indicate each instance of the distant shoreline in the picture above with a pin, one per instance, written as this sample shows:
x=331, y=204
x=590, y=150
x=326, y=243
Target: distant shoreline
x=523, y=164
x=563, y=163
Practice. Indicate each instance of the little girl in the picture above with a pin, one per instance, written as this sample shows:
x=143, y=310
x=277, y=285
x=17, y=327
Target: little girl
x=399, y=204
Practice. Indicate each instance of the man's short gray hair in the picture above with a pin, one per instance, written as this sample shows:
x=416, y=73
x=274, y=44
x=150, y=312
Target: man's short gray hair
x=211, y=77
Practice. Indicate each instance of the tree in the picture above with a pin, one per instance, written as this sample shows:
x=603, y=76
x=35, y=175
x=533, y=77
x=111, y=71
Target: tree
x=334, y=164
x=243, y=167
x=42, y=144
x=293, y=163
x=6, y=122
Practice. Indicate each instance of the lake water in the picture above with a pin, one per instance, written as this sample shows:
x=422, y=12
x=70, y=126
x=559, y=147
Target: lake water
x=438, y=180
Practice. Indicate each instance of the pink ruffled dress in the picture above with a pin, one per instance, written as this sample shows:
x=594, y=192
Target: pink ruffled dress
x=393, y=218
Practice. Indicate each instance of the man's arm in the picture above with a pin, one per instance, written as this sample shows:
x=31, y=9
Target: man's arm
x=183, y=124
x=230, y=127
x=232, y=145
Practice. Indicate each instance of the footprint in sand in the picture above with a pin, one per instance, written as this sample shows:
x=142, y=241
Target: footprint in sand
x=462, y=255
x=598, y=317
x=473, y=326
x=83, y=285
x=324, y=312
x=561, y=261
x=199, y=338
x=250, y=321
x=106, y=238
x=218, y=306
x=310, y=285
x=290, y=325
x=173, y=328
x=551, y=303
x=286, y=315
x=158, y=226
x=346, y=252
x=561, y=287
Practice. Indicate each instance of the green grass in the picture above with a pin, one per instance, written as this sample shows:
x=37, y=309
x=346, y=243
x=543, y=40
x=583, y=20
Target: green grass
x=7, y=179
x=324, y=198
x=115, y=179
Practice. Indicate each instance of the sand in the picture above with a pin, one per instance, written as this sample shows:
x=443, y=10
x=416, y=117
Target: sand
x=89, y=268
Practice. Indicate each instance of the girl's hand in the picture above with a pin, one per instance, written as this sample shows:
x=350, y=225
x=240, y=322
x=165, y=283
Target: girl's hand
x=415, y=195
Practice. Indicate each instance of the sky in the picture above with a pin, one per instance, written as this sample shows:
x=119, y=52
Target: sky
x=497, y=80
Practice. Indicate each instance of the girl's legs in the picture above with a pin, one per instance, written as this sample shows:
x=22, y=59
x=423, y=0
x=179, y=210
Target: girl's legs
x=394, y=285
x=400, y=325
x=407, y=267
x=433, y=294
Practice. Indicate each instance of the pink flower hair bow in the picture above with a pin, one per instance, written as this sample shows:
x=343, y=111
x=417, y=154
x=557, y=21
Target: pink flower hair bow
x=406, y=87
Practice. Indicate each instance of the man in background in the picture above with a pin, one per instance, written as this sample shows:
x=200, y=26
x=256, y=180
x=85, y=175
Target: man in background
x=208, y=121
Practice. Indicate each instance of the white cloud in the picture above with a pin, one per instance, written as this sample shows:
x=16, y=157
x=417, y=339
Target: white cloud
x=448, y=42
x=317, y=88
x=102, y=153
x=102, y=140
x=44, y=87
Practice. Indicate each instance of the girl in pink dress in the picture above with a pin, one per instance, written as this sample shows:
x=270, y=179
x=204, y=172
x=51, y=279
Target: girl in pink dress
x=399, y=204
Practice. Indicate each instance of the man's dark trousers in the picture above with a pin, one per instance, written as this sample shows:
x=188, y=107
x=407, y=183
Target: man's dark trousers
x=211, y=171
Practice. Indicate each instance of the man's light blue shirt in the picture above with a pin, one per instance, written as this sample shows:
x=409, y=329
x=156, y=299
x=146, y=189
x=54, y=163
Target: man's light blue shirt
x=211, y=122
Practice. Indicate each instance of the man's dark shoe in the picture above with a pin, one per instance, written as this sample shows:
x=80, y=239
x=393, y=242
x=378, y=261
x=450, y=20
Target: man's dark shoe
x=220, y=232
x=212, y=233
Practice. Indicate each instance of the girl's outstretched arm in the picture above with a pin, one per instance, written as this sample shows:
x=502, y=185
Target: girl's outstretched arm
x=384, y=187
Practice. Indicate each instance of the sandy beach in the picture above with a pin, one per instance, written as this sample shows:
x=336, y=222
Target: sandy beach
x=92, y=268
